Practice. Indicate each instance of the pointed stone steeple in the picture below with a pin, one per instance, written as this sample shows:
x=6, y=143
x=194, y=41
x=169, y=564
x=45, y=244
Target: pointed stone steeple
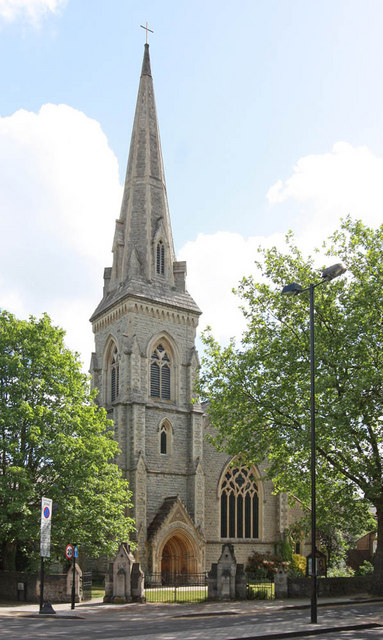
x=143, y=252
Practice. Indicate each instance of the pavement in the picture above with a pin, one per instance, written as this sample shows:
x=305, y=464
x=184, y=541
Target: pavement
x=331, y=618
x=223, y=607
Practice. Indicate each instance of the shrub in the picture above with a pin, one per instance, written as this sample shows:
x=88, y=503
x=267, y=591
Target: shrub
x=365, y=569
x=284, y=549
x=340, y=571
x=264, y=565
x=298, y=566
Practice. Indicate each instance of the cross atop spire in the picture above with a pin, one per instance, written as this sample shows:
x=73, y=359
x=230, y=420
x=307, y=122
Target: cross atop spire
x=146, y=29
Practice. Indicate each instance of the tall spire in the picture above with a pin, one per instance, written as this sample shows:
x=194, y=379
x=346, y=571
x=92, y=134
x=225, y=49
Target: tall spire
x=143, y=251
x=144, y=210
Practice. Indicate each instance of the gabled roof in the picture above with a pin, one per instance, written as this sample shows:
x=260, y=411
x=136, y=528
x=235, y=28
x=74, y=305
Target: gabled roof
x=161, y=515
x=171, y=511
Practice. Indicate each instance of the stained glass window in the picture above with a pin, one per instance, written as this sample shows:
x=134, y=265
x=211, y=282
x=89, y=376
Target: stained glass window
x=239, y=504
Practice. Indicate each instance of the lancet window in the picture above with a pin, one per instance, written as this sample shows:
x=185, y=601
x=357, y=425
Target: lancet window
x=160, y=371
x=160, y=258
x=165, y=438
x=239, y=503
x=114, y=375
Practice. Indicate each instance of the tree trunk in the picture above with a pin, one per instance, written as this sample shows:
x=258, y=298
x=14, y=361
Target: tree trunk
x=377, y=585
x=8, y=556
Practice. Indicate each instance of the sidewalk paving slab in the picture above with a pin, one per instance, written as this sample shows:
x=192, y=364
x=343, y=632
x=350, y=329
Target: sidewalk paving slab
x=187, y=609
x=329, y=620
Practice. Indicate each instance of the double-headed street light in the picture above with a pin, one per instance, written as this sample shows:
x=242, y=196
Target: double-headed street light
x=293, y=289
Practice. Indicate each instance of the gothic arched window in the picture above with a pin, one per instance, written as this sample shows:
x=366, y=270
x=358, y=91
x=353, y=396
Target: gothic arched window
x=160, y=258
x=239, y=504
x=114, y=374
x=165, y=435
x=160, y=373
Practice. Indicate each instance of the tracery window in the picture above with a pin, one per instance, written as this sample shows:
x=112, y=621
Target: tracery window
x=114, y=376
x=160, y=374
x=160, y=258
x=239, y=504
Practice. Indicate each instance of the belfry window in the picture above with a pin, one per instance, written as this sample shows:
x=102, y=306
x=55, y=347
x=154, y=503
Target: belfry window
x=114, y=376
x=239, y=504
x=160, y=374
x=160, y=258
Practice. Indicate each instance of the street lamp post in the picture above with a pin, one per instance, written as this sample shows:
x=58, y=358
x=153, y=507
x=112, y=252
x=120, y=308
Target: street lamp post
x=294, y=289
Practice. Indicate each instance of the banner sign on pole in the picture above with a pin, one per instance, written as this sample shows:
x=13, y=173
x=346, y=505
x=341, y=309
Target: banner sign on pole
x=45, y=528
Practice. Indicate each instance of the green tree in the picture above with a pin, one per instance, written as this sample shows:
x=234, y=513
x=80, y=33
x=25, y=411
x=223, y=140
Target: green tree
x=342, y=518
x=55, y=442
x=259, y=394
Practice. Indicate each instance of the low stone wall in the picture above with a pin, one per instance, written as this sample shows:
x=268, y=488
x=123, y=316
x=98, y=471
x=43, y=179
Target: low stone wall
x=301, y=587
x=25, y=587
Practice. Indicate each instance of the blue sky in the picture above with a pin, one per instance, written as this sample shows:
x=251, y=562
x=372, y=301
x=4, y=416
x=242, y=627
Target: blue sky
x=270, y=115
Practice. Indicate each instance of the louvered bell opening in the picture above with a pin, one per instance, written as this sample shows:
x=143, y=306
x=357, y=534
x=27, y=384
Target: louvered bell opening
x=154, y=380
x=165, y=388
x=160, y=259
x=113, y=384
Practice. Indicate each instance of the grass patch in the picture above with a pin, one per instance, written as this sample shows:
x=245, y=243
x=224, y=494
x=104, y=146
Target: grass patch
x=98, y=590
x=170, y=594
x=260, y=591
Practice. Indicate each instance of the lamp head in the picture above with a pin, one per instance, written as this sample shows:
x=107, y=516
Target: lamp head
x=292, y=289
x=334, y=271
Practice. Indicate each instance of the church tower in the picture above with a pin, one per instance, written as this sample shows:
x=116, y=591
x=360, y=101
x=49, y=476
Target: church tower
x=145, y=360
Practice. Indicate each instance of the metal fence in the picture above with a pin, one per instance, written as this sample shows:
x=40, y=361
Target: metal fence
x=87, y=585
x=161, y=587
x=260, y=588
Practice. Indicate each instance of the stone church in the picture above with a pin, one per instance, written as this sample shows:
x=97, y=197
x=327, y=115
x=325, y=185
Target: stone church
x=188, y=498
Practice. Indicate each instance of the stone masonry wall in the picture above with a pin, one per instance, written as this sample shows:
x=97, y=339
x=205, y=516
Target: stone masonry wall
x=214, y=464
x=55, y=587
x=301, y=587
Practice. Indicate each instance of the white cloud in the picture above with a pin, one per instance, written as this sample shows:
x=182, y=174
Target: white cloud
x=31, y=10
x=322, y=189
x=59, y=196
x=328, y=186
x=216, y=263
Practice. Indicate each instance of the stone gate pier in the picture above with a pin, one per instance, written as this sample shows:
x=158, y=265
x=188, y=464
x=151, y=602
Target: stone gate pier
x=227, y=579
x=124, y=581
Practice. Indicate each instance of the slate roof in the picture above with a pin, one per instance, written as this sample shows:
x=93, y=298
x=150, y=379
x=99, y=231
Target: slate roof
x=161, y=515
x=149, y=292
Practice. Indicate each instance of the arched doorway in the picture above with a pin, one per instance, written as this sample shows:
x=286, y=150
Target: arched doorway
x=178, y=558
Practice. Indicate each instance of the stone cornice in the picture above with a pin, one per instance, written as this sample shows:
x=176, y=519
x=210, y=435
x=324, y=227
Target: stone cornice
x=170, y=407
x=166, y=313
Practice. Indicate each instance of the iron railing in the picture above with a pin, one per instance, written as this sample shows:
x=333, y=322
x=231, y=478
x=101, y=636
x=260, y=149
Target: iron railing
x=260, y=588
x=87, y=585
x=168, y=587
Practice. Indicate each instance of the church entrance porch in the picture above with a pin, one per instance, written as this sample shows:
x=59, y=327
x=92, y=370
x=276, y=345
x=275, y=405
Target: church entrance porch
x=175, y=547
x=178, y=558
